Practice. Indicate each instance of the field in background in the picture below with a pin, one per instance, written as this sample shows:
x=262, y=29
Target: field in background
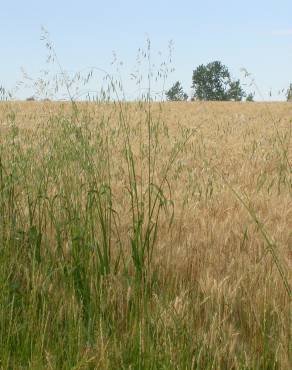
x=145, y=236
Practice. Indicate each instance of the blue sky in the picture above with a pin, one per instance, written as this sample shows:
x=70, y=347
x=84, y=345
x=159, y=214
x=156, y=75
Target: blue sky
x=256, y=35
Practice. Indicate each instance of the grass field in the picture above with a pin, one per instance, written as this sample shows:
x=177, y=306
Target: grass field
x=137, y=236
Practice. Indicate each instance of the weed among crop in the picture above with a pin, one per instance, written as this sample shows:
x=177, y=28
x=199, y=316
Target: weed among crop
x=144, y=235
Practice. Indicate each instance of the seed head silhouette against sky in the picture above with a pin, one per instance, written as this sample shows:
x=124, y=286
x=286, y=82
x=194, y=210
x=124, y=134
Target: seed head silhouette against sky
x=254, y=34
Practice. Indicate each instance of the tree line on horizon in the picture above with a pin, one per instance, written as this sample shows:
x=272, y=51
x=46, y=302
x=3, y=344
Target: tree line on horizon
x=213, y=82
x=210, y=82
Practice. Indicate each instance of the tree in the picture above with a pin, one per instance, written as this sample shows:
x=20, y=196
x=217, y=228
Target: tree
x=213, y=82
x=250, y=97
x=176, y=93
x=235, y=92
x=289, y=93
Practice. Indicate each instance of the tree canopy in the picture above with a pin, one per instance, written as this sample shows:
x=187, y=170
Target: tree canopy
x=176, y=93
x=213, y=82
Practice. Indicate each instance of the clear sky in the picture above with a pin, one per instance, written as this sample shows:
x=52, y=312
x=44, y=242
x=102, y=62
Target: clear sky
x=255, y=34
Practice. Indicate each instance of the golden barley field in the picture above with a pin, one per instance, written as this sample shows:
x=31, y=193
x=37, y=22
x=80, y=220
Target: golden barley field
x=145, y=236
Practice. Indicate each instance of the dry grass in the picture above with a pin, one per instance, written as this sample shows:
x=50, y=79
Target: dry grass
x=216, y=297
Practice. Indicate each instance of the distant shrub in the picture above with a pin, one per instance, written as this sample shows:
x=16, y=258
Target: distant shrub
x=289, y=93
